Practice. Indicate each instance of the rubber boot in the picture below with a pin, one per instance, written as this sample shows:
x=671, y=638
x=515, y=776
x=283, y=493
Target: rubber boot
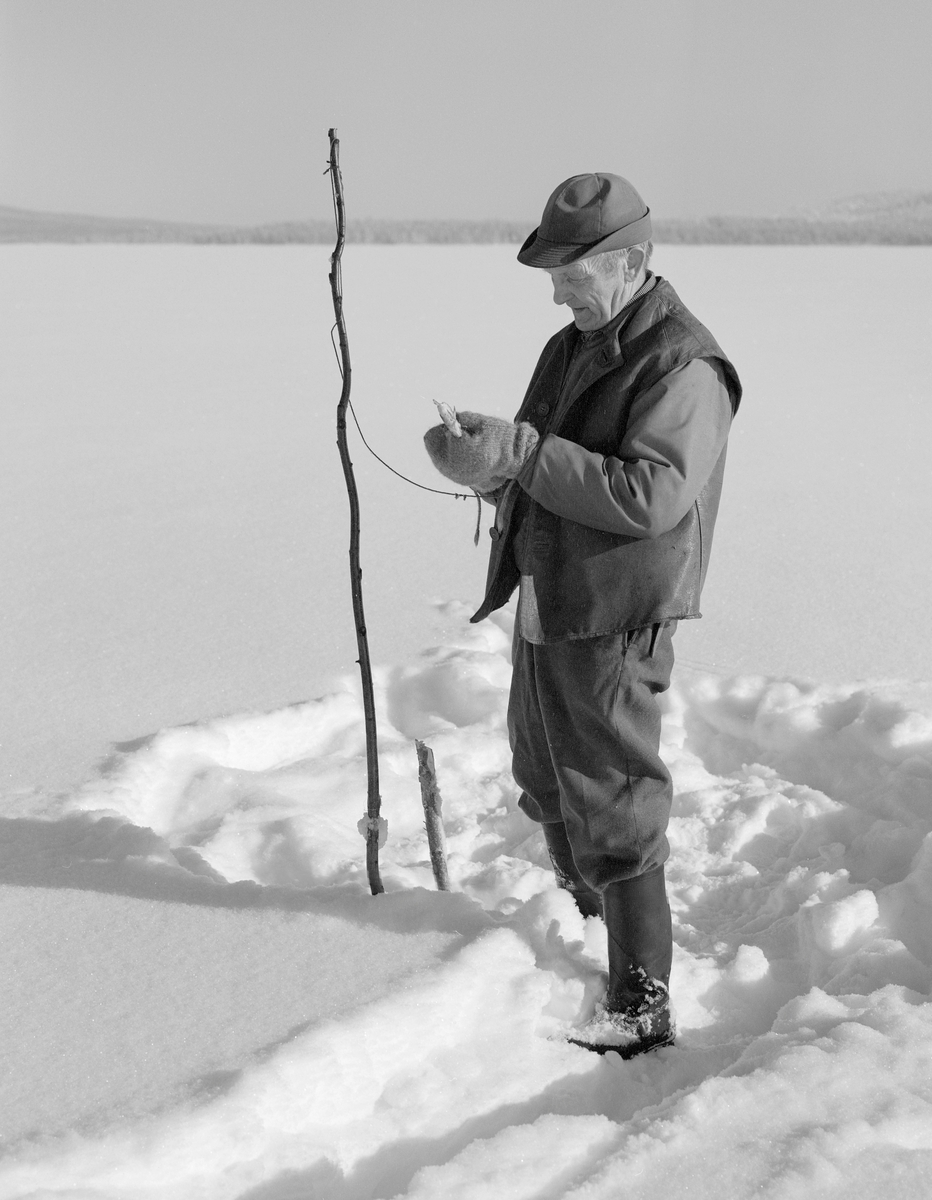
x=640, y=937
x=635, y=1014
x=567, y=873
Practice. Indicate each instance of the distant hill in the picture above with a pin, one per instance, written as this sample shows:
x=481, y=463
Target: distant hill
x=883, y=218
x=911, y=206
x=23, y=225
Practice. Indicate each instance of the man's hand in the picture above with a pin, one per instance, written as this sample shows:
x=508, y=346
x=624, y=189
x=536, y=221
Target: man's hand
x=489, y=453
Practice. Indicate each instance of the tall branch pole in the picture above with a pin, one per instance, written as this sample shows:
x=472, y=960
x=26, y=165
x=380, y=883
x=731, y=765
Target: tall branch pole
x=374, y=802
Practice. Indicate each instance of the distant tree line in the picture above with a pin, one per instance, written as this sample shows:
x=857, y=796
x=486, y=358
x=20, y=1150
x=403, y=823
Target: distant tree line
x=907, y=225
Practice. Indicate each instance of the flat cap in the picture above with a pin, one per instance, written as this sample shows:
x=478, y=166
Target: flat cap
x=587, y=214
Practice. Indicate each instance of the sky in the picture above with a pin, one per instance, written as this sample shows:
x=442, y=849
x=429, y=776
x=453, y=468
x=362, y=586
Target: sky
x=218, y=110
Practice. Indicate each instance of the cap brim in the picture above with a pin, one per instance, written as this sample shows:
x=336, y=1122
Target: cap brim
x=538, y=252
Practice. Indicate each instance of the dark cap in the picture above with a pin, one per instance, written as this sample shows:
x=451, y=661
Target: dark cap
x=587, y=214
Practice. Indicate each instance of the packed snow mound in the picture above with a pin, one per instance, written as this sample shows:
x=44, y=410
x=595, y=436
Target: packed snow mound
x=801, y=886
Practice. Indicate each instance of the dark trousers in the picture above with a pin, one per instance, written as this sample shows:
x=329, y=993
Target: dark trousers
x=584, y=724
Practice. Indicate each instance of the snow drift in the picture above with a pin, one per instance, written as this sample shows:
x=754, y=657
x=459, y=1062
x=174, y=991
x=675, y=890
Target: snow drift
x=221, y=1010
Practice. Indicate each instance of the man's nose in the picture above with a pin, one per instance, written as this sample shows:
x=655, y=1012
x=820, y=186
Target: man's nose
x=559, y=292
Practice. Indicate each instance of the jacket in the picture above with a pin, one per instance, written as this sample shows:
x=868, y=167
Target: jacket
x=606, y=573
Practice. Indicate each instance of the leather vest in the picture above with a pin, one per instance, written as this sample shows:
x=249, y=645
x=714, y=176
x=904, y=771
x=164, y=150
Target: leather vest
x=589, y=582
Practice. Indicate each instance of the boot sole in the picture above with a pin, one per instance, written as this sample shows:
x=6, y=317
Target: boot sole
x=631, y=1050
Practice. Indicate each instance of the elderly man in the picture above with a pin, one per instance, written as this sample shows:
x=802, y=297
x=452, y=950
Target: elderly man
x=606, y=489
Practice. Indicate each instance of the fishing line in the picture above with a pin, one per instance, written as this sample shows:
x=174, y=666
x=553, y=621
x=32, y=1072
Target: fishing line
x=388, y=466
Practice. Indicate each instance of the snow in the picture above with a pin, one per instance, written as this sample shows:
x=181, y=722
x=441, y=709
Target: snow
x=175, y=531
x=201, y=1000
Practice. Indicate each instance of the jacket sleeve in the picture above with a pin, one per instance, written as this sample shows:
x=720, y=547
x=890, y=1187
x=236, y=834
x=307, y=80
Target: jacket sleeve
x=676, y=433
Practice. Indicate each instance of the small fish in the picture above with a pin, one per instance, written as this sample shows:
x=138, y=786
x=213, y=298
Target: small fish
x=448, y=416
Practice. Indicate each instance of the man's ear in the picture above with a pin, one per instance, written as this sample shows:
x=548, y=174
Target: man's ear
x=634, y=262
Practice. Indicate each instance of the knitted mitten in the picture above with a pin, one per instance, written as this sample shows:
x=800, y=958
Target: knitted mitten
x=489, y=453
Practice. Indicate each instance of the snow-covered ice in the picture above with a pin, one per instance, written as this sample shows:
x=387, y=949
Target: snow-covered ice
x=175, y=520
x=201, y=1001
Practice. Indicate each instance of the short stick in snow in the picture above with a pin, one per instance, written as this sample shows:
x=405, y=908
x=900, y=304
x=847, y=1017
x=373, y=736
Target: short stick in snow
x=433, y=804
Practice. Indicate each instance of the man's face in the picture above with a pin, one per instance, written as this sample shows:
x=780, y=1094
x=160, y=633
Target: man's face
x=594, y=299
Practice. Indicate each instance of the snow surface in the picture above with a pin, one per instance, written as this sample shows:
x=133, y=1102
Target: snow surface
x=175, y=520
x=201, y=1000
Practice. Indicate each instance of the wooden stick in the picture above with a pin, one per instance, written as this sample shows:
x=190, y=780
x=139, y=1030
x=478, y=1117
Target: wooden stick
x=431, y=799
x=373, y=804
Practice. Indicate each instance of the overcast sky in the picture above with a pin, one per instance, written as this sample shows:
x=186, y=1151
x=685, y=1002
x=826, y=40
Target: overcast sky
x=218, y=110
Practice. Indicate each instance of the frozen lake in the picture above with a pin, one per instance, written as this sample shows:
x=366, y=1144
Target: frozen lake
x=175, y=520
x=199, y=996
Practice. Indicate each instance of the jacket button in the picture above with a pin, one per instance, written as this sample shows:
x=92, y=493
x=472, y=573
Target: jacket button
x=494, y=534
x=543, y=409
